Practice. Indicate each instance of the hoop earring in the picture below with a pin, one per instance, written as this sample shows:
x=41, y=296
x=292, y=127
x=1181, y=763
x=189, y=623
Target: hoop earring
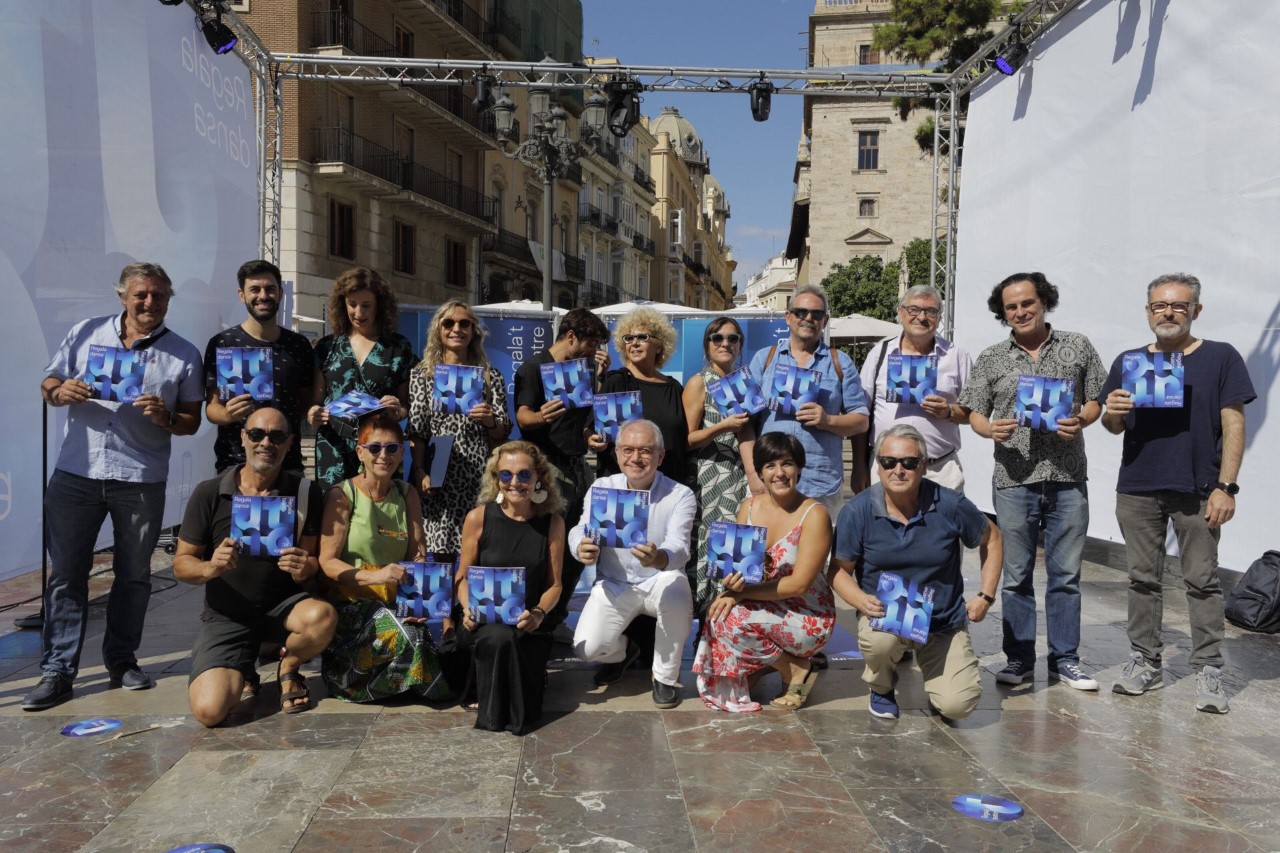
x=539, y=494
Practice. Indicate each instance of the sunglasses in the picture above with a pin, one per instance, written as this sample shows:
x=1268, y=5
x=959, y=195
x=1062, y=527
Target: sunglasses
x=377, y=448
x=523, y=476
x=725, y=339
x=277, y=436
x=909, y=463
x=816, y=314
x=464, y=324
x=638, y=337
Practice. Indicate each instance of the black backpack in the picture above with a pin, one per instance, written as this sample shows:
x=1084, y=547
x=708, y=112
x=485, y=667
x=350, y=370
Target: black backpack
x=1255, y=602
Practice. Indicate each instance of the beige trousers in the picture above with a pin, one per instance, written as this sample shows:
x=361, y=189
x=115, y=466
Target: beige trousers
x=950, y=668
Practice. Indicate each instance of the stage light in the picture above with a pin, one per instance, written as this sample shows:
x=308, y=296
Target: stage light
x=1012, y=57
x=761, y=98
x=172, y=2
x=218, y=34
x=484, y=93
x=624, y=105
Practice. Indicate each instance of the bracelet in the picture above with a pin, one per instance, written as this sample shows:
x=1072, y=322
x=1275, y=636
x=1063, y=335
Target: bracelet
x=989, y=599
x=542, y=614
x=173, y=419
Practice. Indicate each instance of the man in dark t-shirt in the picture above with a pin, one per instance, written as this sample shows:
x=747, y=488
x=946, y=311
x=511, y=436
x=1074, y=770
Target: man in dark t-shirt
x=249, y=599
x=293, y=366
x=560, y=433
x=1179, y=464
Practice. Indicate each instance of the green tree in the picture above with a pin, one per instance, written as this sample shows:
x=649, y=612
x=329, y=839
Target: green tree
x=916, y=258
x=864, y=286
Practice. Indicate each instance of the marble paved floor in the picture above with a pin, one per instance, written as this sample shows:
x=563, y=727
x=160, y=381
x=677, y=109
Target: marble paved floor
x=607, y=772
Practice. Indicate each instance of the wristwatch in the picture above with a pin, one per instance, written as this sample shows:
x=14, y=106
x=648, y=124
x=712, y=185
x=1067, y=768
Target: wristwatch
x=1230, y=488
x=989, y=599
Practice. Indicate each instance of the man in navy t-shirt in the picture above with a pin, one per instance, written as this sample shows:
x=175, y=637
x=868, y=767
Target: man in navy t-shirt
x=1179, y=464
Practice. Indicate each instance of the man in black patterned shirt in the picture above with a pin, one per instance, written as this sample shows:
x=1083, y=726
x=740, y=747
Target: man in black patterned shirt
x=1040, y=474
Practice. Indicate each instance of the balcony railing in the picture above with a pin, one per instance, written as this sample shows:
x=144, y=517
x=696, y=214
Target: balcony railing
x=611, y=223
x=591, y=293
x=457, y=100
x=573, y=174
x=470, y=20
x=644, y=244
x=642, y=179
x=510, y=244
x=575, y=268
x=591, y=215
x=610, y=153
x=612, y=294
x=339, y=28
x=437, y=187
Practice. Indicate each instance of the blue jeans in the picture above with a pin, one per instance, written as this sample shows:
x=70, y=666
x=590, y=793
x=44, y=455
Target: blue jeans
x=75, y=508
x=1064, y=509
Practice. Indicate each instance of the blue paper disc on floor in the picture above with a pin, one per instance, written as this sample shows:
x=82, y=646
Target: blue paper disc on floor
x=204, y=848
x=84, y=728
x=985, y=807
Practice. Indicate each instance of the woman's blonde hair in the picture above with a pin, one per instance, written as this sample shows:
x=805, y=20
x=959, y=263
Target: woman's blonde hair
x=544, y=473
x=433, y=350
x=647, y=320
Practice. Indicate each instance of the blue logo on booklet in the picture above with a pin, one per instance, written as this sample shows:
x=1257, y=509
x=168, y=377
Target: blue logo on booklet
x=568, y=381
x=495, y=594
x=204, y=848
x=263, y=524
x=738, y=548
x=114, y=373
x=619, y=517
x=986, y=807
x=86, y=728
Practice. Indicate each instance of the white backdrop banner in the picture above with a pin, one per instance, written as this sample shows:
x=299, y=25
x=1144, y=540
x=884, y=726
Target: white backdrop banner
x=124, y=139
x=1139, y=139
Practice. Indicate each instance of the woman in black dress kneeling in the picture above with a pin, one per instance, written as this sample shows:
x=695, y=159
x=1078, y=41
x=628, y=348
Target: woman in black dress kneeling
x=516, y=524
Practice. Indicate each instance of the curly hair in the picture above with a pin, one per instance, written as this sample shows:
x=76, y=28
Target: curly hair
x=433, y=349
x=544, y=471
x=644, y=319
x=1045, y=292
x=355, y=280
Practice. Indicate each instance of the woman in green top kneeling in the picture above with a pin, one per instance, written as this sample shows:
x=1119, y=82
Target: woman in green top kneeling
x=371, y=523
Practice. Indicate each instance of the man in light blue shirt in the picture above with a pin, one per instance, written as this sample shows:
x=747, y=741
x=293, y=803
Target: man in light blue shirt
x=114, y=461
x=840, y=411
x=647, y=578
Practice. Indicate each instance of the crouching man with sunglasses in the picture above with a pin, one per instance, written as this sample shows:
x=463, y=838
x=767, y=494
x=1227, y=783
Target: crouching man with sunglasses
x=251, y=598
x=917, y=530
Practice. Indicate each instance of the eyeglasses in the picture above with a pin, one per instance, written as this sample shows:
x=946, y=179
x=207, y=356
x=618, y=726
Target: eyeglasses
x=637, y=338
x=909, y=463
x=1175, y=307
x=523, y=476
x=816, y=314
x=277, y=436
x=464, y=324
x=377, y=448
x=916, y=311
x=639, y=452
x=725, y=339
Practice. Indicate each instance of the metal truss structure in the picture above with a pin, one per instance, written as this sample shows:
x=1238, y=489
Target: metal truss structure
x=946, y=92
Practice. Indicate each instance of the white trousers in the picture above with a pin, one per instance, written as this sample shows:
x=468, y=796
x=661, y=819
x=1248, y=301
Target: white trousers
x=610, y=609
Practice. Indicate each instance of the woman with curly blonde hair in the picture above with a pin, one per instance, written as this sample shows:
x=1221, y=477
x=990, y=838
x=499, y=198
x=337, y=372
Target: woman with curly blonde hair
x=516, y=524
x=646, y=339
x=455, y=336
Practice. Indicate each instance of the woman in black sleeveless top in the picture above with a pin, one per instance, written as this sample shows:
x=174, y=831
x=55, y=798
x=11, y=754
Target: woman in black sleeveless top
x=516, y=524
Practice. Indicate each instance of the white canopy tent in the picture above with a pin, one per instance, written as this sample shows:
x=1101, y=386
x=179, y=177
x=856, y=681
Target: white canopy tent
x=857, y=327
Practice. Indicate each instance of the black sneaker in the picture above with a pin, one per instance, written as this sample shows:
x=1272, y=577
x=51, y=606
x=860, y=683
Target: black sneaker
x=54, y=689
x=130, y=676
x=665, y=695
x=610, y=672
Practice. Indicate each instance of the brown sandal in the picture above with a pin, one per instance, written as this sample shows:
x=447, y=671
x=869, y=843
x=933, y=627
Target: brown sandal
x=301, y=697
x=797, y=692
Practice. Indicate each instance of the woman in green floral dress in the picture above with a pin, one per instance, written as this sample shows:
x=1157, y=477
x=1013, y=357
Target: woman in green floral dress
x=364, y=353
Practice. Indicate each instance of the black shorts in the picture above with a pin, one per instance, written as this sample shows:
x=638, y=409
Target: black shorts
x=227, y=644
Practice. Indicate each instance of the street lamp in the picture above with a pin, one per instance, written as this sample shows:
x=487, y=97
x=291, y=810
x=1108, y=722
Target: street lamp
x=548, y=150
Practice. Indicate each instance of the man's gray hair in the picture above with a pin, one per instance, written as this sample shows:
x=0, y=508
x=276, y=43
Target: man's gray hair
x=142, y=270
x=644, y=424
x=904, y=431
x=917, y=290
x=813, y=290
x=1177, y=278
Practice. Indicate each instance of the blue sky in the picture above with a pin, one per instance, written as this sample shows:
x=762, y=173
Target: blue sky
x=753, y=161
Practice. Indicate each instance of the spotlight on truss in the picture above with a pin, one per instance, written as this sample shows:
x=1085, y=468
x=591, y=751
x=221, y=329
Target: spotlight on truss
x=216, y=33
x=761, y=98
x=1011, y=58
x=484, y=93
x=624, y=105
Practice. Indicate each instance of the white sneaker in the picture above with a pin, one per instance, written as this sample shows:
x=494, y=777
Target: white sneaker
x=1072, y=674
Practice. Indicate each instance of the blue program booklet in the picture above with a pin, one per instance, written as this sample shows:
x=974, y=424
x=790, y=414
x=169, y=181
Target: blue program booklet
x=614, y=410
x=794, y=386
x=910, y=378
x=1042, y=401
x=114, y=373
x=495, y=595
x=458, y=388
x=737, y=393
x=263, y=524
x=733, y=547
x=426, y=592
x=619, y=517
x=346, y=411
x=569, y=382
x=1154, y=379
x=907, y=608
x=245, y=370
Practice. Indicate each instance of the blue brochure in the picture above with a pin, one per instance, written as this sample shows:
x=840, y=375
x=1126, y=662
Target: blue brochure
x=263, y=524
x=1153, y=378
x=426, y=592
x=246, y=370
x=346, y=411
x=458, y=388
x=907, y=608
x=737, y=393
x=733, y=547
x=794, y=386
x=910, y=378
x=569, y=382
x=614, y=410
x=495, y=595
x=619, y=517
x=114, y=373
x=1042, y=401
x=987, y=807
